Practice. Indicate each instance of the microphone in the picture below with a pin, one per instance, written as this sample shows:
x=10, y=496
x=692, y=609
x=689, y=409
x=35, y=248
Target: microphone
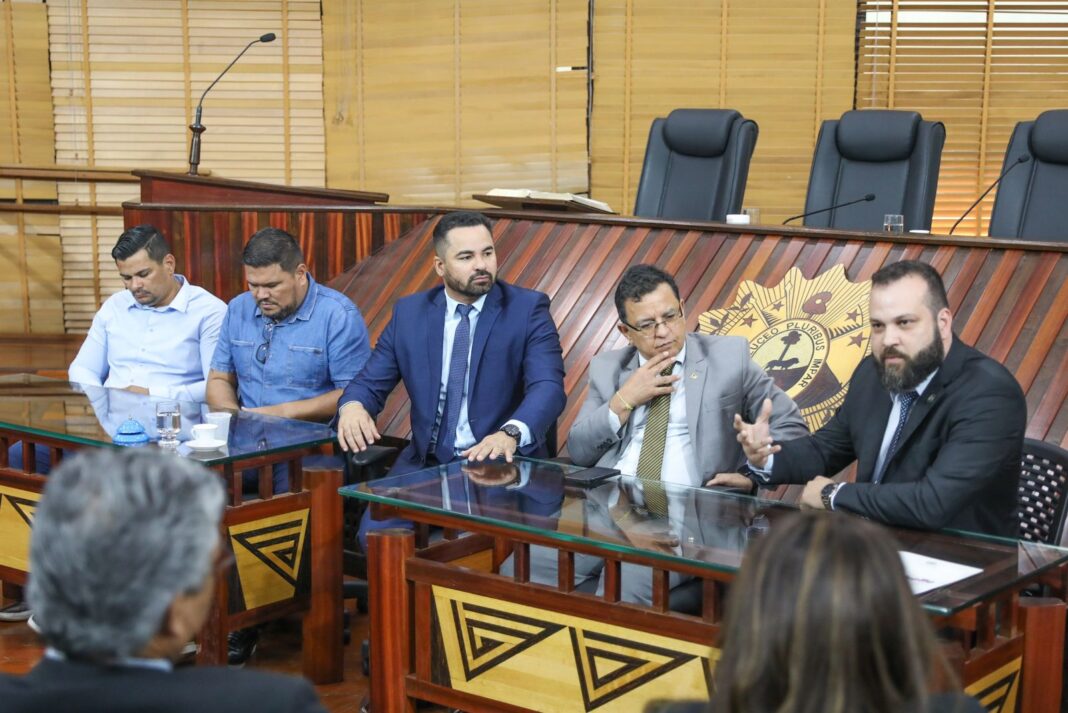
x=196, y=127
x=1023, y=159
x=866, y=199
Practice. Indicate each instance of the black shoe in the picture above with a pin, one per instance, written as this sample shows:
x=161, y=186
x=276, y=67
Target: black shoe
x=242, y=644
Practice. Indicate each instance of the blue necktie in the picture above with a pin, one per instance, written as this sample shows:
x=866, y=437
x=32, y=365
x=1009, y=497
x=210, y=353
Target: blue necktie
x=454, y=388
x=907, y=399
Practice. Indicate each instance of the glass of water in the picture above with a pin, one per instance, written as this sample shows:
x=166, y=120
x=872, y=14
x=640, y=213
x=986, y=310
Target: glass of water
x=168, y=423
x=894, y=223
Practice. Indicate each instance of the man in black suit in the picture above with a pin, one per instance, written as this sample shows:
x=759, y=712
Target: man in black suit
x=124, y=554
x=935, y=426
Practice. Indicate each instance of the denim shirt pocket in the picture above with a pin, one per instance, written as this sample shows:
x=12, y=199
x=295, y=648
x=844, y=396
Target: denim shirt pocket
x=241, y=353
x=306, y=367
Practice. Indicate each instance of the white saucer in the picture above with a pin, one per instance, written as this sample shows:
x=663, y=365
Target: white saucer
x=208, y=444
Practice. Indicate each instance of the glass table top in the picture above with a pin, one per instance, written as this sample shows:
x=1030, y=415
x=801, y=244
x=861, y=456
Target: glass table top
x=90, y=415
x=703, y=526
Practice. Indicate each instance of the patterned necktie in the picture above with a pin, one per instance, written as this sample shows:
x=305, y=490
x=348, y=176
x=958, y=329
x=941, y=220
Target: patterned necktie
x=907, y=399
x=651, y=457
x=454, y=388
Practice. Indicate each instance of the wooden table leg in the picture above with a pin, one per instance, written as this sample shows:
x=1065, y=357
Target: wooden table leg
x=389, y=598
x=213, y=637
x=323, y=647
x=1043, y=624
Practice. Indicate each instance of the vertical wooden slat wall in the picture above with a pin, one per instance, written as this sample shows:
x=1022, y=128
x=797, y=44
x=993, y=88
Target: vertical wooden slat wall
x=126, y=77
x=433, y=101
x=788, y=65
x=979, y=66
x=30, y=265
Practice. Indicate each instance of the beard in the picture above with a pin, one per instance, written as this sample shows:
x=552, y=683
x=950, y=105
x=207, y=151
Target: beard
x=470, y=288
x=913, y=370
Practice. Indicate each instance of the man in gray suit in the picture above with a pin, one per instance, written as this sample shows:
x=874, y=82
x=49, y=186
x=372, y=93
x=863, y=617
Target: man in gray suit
x=662, y=408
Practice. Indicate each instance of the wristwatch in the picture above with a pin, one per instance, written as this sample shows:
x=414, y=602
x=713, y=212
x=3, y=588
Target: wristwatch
x=513, y=430
x=827, y=493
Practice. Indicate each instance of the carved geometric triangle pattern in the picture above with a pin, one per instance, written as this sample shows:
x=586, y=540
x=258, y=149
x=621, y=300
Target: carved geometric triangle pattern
x=24, y=507
x=994, y=697
x=489, y=637
x=610, y=667
x=277, y=547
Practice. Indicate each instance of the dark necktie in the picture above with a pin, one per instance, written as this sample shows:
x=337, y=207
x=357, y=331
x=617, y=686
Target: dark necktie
x=907, y=399
x=651, y=457
x=454, y=388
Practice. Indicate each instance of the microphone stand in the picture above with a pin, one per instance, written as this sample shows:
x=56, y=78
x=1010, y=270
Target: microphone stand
x=197, y=127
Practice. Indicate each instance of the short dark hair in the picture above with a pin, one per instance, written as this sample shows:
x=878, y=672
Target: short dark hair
x=936, y=290
x=458, y=219
x=141, y=237
x=637, y=282
x=272, y=246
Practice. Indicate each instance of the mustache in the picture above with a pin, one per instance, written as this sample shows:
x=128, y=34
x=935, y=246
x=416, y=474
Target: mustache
x=480, y=273
x=893, y=352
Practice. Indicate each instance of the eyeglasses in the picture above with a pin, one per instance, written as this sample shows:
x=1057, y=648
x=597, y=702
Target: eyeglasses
x=648, y=327
x=264, y=349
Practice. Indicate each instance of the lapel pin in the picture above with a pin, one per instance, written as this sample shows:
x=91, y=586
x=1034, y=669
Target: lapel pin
x=693, y=375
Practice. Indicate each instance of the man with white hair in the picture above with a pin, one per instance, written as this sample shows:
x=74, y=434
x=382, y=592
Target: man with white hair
x=123, y=560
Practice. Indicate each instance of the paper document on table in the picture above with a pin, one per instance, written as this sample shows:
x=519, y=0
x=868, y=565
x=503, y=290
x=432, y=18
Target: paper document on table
x=926, y=573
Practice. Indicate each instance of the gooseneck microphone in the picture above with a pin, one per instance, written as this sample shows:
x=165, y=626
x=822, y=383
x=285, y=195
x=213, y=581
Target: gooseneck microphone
x=1023, y=159
x=865, y=199
x=196, y=127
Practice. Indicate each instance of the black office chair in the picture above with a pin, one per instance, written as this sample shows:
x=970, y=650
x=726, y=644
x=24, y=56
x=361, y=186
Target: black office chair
x=894, y=155
x=696, y=165
x=1030, y=203
x=1043, y=492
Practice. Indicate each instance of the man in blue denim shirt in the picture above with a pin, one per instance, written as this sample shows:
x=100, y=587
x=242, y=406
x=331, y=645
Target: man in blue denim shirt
x=288, y=346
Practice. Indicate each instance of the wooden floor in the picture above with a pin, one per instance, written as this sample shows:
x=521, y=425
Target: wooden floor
x=279, y=650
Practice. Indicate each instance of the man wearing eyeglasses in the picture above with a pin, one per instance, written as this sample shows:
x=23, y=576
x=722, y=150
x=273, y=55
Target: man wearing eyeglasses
x=661, y=408
x=288, y=346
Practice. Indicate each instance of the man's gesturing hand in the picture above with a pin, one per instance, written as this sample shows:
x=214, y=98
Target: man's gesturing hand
x=756, y=437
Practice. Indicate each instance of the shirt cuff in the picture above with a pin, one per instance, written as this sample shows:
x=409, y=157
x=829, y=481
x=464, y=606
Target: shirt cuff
x=526, y=440
x=614, y=422
x=834, y=493
x=763, y=474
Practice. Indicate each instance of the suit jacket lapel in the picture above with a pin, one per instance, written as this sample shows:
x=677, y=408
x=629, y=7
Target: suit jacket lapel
x=875, y=428
x=435, y=343
x=629, y=368
x=917, y=414
x=491, y=308
x=694, y=372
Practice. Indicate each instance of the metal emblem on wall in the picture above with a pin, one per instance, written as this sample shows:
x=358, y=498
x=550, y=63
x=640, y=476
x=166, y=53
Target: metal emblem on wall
x=808, y=335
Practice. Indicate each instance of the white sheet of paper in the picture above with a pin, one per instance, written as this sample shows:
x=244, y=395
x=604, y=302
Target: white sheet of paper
x=926, y=573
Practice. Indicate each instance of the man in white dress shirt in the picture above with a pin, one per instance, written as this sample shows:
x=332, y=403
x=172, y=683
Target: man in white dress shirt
x=155, y=337
x=158, y=335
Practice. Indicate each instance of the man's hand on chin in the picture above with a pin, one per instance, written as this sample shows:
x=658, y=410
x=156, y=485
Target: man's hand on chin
x=810, y=497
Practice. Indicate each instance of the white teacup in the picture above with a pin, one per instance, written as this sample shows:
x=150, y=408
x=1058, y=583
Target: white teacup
x=737, y=219
x=205, y=432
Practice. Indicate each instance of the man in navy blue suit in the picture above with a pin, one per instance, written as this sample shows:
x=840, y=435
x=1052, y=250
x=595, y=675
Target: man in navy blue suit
x=480, y=359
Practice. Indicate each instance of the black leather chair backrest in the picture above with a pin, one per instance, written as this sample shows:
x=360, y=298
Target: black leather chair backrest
x=1032, y=200
x=1043, y=492
x=893, y=154
x=696, y=165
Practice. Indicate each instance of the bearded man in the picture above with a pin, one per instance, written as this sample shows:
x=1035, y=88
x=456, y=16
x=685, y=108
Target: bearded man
x=936, y=428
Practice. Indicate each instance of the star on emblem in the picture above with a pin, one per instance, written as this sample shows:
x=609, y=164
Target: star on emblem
x=777, y=306
x=857, y=340
x=749, y=320
x=854, y=315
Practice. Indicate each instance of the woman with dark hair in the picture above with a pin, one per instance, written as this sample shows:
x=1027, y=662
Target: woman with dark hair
x=821, y=619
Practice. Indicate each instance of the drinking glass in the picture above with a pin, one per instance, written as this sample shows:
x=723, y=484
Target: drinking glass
x=168, y=423
x=894, y=223
x=754, y=215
